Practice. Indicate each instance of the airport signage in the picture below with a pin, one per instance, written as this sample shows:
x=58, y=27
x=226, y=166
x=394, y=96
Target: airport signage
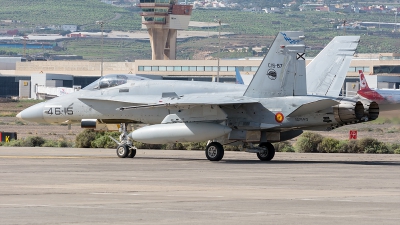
x=8, y=136
x=353, y=134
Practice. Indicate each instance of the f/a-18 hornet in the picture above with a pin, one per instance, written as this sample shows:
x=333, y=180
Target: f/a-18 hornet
x=274, y=107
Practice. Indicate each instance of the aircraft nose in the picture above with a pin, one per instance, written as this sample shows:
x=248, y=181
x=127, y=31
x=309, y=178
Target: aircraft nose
x=33, y=113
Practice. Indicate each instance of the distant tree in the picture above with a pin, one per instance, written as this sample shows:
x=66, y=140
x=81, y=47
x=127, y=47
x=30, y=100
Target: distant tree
x=63, y=33
x=264, y=49
x=294, y=7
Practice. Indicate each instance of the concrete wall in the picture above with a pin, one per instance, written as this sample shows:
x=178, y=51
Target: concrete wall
x=24, y=88
x=9, y=63
x=85, y=68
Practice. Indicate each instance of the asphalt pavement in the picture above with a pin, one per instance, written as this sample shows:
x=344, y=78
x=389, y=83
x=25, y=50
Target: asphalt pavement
x=94, y=186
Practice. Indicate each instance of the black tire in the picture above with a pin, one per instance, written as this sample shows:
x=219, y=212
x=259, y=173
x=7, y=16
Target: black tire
x=132, y=153
x=214, y=151
x=122, y=151
x=269, y=152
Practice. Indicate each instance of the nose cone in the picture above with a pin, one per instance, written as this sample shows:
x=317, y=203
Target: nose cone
x=33, y=113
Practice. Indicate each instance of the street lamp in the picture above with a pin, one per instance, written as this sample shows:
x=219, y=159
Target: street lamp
x=219, y=44
x=101, y=25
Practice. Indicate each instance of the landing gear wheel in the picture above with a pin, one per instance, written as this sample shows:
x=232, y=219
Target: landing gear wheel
x=122, y=151
x=267, y=153
x=214, y=151
x=132, y=153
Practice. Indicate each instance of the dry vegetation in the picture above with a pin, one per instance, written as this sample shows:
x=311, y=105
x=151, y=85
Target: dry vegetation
x=386, y=129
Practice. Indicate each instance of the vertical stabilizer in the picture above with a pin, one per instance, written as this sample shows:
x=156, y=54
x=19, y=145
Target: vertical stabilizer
x=366, y=92
x=327, y=71
x=283, y=71
x=239, y=79
x=363, y=81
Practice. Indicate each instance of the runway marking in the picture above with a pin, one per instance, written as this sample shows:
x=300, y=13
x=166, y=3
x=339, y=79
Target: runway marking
x=326, y=199
x=136, y=194
x=106, y=193
x=218, y=196
x=29, y=205
x=49, y=157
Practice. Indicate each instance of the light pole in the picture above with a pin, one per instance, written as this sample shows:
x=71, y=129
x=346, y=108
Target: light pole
x=102, y=59
x=25, y=38
x=219, y=45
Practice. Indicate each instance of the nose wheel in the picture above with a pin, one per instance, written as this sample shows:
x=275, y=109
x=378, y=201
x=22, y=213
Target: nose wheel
x=125, y=151
x=125, y=148
x=122, y=151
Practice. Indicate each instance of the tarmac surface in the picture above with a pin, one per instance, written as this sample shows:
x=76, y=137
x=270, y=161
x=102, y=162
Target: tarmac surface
x=93, y=186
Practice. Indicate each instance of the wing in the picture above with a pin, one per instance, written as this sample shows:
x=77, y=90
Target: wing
x=171, y=99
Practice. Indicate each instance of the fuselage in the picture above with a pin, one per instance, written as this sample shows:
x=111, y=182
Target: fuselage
x=388, y=96
x=102, y=104
x=85, y=104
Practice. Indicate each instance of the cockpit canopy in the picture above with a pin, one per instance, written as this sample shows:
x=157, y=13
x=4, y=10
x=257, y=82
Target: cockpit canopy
x=113, y=80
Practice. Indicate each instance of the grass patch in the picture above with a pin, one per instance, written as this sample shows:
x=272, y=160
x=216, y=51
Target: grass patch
x=18, y=122
x=36, y=141
x=8, y=114
x=311, y=142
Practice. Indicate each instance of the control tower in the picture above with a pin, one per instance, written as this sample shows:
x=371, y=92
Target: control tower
x=163, y=18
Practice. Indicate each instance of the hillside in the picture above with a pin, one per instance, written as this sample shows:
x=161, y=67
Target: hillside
x=33, y=13
x=251, y=29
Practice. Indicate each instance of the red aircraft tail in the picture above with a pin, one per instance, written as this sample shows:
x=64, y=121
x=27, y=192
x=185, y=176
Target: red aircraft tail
x=363, y=81
x=367, y=92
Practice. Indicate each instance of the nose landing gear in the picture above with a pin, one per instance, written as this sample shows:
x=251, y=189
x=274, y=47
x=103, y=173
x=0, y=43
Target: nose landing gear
x=125, y=148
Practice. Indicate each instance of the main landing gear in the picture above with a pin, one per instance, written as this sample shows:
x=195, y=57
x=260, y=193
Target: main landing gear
x=265, y=151
x=125, y=148
x=214, y=151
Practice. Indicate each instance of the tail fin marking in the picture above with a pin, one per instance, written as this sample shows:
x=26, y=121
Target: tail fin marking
x=239, y=79
x=363, y=81
x=282, y=71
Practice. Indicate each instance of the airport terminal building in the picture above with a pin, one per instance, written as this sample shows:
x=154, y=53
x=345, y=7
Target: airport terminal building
x=383, y=68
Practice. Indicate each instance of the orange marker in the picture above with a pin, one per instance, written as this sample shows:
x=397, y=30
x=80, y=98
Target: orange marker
x=279, y=117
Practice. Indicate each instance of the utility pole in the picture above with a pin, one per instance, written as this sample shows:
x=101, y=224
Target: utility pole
x=25, y=37
x=344, y=27
x=102, y=43
x=219, y=46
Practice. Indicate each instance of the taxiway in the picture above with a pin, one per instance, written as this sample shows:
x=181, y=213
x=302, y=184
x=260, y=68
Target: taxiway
x=93, y=186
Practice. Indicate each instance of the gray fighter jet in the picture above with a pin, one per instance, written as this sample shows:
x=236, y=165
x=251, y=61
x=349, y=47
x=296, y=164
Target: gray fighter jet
x=275, y=106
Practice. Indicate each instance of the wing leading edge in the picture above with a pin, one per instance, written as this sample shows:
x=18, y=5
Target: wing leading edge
x=158, y=101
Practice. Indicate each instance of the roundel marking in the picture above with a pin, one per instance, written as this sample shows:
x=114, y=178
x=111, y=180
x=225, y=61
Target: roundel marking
x=271, y=73
x=279, y=117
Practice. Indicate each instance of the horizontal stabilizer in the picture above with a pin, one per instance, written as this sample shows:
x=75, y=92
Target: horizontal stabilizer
x=313, y=107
